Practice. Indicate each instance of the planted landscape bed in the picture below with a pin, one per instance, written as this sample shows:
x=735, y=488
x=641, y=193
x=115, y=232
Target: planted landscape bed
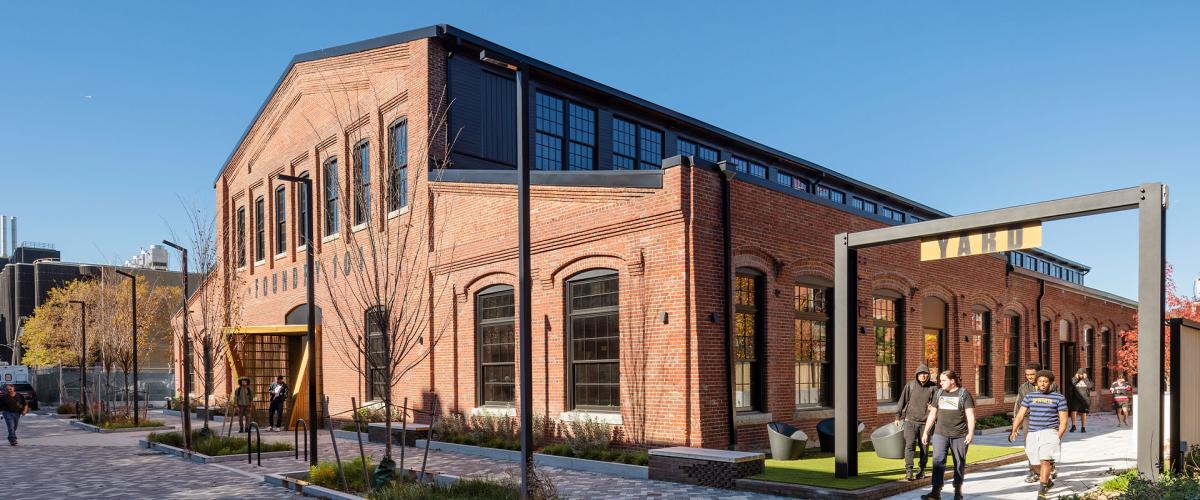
x=123, y=424
x=213, y=448
x=325, y=481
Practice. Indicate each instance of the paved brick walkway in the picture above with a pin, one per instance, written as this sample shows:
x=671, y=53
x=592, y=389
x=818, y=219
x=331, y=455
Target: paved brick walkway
x=57, y=461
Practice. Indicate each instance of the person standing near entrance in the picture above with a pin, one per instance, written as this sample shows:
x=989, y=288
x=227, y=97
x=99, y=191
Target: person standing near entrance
x=911, y=412
x=243, y=397
x=952, y=419
x=1122, y=394
x=1080, y=402
x=279, y=393
x=12, y=407
x=1047, y=411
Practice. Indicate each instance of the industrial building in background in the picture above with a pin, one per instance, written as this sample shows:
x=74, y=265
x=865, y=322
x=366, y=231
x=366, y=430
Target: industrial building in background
x=153, y=258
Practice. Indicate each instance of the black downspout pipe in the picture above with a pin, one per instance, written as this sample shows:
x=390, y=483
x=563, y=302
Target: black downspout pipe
x=727, y=268
x=1044, y=351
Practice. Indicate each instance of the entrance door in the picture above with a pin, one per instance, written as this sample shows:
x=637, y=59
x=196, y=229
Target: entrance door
x=932, y=346
x=1070, y=363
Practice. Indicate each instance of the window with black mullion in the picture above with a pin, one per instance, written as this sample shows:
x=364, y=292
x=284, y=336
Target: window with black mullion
x=560, y=122
x=497, y=343
x=594, y=323
x=635, y=146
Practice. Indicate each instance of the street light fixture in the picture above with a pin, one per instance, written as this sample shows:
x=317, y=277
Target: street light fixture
x=133, y=302
x=185, y=409
x=82, y=355
x=524, y=314
x=311, y=328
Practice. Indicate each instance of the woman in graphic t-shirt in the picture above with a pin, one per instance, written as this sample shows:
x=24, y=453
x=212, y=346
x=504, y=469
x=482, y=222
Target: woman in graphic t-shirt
x=1080, y=402
x=952, y=420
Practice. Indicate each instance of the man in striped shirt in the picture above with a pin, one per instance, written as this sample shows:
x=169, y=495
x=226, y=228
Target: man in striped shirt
x=1047, y=412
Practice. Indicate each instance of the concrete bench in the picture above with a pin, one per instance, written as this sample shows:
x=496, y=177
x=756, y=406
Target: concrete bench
x=702, y=466
x=377, y=432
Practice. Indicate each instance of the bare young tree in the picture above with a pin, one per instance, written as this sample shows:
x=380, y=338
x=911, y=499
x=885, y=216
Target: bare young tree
x=214, y=307
x=381, y=288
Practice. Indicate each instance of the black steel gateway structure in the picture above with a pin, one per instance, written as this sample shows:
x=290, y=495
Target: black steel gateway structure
x=1150, y=200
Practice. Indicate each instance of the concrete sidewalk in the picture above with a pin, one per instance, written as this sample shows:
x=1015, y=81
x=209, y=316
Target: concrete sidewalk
x=1086, y=460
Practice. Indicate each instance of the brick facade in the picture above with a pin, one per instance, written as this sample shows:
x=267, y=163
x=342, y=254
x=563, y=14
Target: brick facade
x=664, y=243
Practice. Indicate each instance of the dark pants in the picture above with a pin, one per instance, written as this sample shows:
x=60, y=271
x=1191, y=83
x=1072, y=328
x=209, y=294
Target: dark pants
x=275, y=413
x=912, y=442
x=244, y=417
x=10, y=423
x=958, y=448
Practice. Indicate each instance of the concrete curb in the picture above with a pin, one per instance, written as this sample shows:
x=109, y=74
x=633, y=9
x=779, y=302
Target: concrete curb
x=571, y=463
x=351, y=436
x=993, y=430
x=298, y=482
x=93, y=428
x=201, y=458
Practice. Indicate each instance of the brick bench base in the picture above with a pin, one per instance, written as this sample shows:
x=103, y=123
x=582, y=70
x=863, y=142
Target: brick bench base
x=691, y=466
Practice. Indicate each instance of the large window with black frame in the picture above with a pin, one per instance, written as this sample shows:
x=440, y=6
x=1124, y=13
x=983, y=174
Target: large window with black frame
x=398, y=171
x=981, y=322
x=494, y=327
x=1105, y=357
x=362, y=182
x=1012, y=354
x=814, y=378
x=593, y=311
x=565, y=134
x=375, y=340
x=330, y=181
x=240, y=246
x=260, y=237
x=748, y=339
x=888, y=312
x=280, y=220
x=302, y=212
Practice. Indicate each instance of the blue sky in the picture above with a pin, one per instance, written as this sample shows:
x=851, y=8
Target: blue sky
x=963, y=106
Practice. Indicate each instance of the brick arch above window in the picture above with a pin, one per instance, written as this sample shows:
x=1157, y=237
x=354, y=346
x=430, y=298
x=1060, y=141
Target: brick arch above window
x=485, y=280
x=759, y=258
x=1014, y=307
x=808, y=268
x=583, y=262
x=937, y=291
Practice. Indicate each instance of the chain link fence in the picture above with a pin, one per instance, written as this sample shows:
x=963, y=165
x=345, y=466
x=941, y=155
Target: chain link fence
x=55, y=385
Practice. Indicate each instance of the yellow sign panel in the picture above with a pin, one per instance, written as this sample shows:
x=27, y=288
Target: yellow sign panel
x=991, y=240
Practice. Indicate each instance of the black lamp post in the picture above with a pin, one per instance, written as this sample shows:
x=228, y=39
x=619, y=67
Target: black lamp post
x=524, y=281
x=185, y=412
x=82, y=354
x=312, y=325
x=133, y=302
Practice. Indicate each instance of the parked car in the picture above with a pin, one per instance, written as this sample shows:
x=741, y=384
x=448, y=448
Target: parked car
x=30, y=394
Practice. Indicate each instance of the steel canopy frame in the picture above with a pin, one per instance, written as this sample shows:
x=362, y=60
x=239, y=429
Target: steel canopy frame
x=1150, y=200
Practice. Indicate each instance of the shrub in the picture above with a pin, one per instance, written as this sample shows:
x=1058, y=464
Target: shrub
x=993, y=421
x=326, y=475
x=464, y=489
x=453, y=428
x=619, y=456
x=372, y=414
x=1168, y=487
x=587, y=436
x=215, y=445
x=66, y=409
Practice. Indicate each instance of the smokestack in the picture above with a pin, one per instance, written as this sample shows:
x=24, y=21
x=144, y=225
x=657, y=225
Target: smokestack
x=3, y=236
x=12, y=239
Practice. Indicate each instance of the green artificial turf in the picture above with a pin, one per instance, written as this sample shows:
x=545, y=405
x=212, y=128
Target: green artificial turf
x=816, y=469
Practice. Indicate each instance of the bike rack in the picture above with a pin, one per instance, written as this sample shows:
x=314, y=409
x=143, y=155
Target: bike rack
x=253, y=425
x=296, y=438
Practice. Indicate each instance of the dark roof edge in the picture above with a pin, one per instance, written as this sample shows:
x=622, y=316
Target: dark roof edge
x=1056, y=257
x=1075, y=287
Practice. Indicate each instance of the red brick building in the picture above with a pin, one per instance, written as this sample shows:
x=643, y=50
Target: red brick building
x=629, y=207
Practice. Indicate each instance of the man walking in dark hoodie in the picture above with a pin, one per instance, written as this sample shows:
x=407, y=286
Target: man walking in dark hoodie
x=911, y=411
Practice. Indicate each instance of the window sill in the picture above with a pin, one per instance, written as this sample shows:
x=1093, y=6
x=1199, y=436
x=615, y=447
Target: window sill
x=301, y=248
x=360, y=227
x=329, y=238
x=887, y=408
x=1010, y=399
x=261, y=262
x=396, y=213
x=985, y=401
x=241, y=269
x=813, y=413
x=280, y=255
x=494, y=411
x=752, y=418
x=610, y=418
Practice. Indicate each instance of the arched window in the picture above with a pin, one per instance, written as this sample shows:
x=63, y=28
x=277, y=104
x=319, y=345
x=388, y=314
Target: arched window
x=933, y=329
x=814, y=377
x=280, y=220
x=593, y=330
x=1089, y=339
x=1012, y=354
x=330, y=180
x=362, y=182
x=496, y=341
x=375, y=322
x=1106, y=348
x=748, y=339
x=888, y=311
x=981, y=323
